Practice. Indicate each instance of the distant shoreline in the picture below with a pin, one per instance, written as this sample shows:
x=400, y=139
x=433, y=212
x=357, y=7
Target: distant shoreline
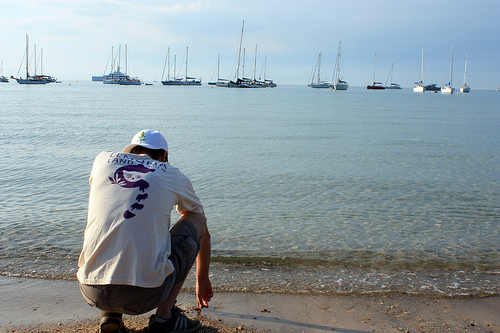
x=281, y=85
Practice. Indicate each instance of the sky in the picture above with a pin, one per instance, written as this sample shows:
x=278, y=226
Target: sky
x=77, y=37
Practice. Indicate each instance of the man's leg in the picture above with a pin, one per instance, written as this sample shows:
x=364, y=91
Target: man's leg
x=187, y=234
x=200, y=223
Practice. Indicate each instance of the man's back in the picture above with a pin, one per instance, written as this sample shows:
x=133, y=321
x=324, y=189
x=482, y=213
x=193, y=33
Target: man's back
x=127, y=239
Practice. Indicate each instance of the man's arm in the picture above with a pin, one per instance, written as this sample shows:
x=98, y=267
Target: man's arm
x=203, y=285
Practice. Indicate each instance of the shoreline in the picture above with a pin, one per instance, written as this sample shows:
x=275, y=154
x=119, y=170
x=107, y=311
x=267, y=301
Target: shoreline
x=37, y=305
x=262, y=276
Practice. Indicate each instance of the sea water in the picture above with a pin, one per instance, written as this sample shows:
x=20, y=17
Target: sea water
x=305, y=190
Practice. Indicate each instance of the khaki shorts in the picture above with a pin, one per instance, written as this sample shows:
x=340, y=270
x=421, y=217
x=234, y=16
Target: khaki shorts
x=137, y=300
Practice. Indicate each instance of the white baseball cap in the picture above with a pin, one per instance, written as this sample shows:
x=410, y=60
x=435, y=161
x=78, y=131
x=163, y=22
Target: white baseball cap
x=147, y=138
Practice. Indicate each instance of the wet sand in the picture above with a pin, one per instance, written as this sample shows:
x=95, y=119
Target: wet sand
x=36, y=305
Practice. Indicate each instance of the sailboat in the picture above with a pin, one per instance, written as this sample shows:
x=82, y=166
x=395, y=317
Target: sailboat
x=186, y=81
x=465, y=88
x=36, y=79
x=338, y=83
x=127, y=80
x=319, y=83
x=242, y=82
x=3, y=78
x=219, y=80
x=419, y=85
x=253, y=83
x=448, y=89
x=115, y=75
x=392, y=85
x=375, y=85
x=268, y=82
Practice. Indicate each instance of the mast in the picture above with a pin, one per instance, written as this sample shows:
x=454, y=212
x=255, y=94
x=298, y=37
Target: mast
x=41, y=62
x=319, y=65
x=27, y=56
x=338, y=63
x=186, y=63
x=244, y=59
x=255, y=63
x=451, y=64
x=422, y=66
x=112, y=59
x=314, y=71
x=421, y=72
x=35, y=60
x=465, y=72
x=336, y=72
x=164, y=65
x=390, y=75
x=218, y=68
x=119, y=56
x=374, y=66
x=239, y=51
x=265, y=67
x=126, y=58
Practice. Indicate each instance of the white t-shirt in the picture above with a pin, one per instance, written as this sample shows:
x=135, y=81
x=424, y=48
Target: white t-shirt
x=127, y=239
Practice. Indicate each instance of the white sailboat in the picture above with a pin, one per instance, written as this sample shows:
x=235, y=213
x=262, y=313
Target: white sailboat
x=127, y=80
x=116, y=74
x=465, y=88
x=186, y=81
x=419, y=85
x=392, y=85
x=270, y=83
x=318, y=83
x=338, y=83
x=242, y=82
x=219, y=82
x=34, y=79
x=448, y=88
x=375, y=85
x=2, y=77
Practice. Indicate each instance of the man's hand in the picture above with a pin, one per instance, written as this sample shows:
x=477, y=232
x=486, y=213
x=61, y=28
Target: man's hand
x=204, y=292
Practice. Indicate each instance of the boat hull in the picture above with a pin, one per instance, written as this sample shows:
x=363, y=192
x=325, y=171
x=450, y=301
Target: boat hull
x=320, y=85
x=375, y=87
x=246, y=83
x=448, y=90
x=419, y=89
x=22, y=81
x=341, y=86
x=130, y=83
x=181, y=83
x=465, y=89
x=432, y=87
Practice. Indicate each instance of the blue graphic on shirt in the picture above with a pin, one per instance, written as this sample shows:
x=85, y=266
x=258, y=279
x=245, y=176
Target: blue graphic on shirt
x=131, y=176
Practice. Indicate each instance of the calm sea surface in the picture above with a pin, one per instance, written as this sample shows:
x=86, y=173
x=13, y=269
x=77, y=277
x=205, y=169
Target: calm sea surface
x=305, y=190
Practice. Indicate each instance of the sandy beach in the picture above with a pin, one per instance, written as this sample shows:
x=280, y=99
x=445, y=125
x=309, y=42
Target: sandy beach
x=36, y=305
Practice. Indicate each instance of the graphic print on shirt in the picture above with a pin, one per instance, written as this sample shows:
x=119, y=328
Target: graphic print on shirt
x=130, y=176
